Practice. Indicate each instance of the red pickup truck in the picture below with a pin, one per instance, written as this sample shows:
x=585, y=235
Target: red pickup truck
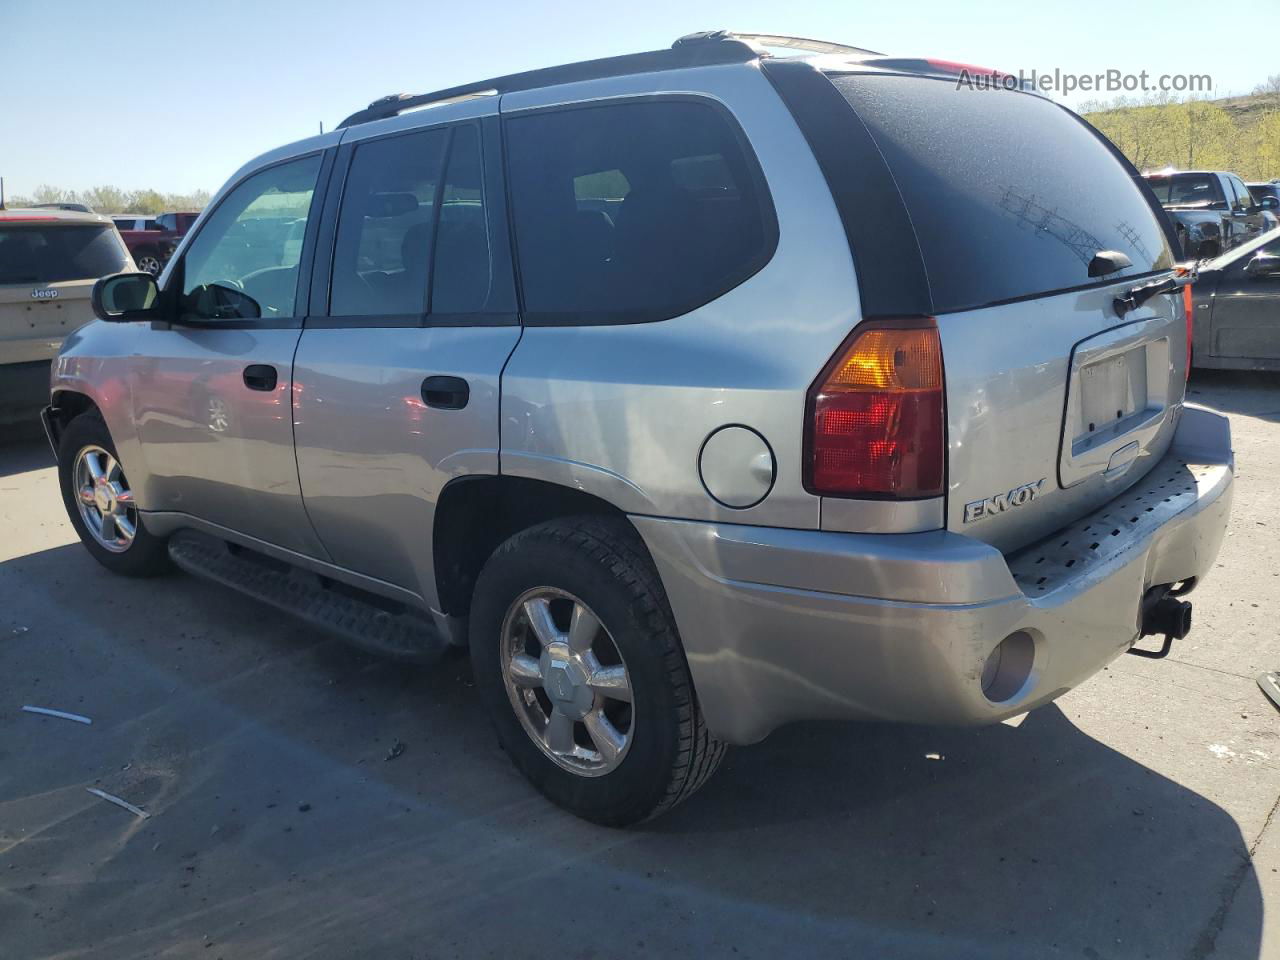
x=151, y=249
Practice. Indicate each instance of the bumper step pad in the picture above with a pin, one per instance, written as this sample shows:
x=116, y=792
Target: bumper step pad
x=1110, y=530
x=405, y=635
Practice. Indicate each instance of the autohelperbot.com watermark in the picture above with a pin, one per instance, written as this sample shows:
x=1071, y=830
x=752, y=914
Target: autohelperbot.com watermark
x=1065, y=83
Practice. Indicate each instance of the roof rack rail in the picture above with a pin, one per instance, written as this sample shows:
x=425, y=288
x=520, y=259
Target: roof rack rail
x=695, y=50
x=776, y=40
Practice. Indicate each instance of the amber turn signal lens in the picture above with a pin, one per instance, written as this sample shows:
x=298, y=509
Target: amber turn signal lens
x=1187, y=301
x=894, y=360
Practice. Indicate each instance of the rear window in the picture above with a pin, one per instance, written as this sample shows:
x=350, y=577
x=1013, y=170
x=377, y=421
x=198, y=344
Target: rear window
x=634, y=211
x=55, y=253
x=1182, y=188
x=1009, y=195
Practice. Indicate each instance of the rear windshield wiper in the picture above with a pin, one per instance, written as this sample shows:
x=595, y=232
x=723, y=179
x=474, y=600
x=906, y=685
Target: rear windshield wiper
x=1106, y=262
x=1182, y=275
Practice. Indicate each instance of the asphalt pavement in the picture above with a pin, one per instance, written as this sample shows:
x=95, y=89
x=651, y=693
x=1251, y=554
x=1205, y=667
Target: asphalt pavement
x=1131, y=819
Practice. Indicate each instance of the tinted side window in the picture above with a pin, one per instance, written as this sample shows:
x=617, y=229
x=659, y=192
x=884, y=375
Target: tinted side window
x=1239, y=262
x=386, y=226
x=462, y=274
x=241, y=264
x=633, y=211
x=1009, y=195
x=1243, y=197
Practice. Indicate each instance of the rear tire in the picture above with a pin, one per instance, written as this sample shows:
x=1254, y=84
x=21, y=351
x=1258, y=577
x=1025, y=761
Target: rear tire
x=86, y=448
x=149, y=263
x=664, y=752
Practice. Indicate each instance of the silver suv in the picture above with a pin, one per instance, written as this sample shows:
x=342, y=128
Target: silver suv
x=698, y=391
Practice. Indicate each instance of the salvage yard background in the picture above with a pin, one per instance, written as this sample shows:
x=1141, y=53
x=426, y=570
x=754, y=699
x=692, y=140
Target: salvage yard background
x=1240, y=134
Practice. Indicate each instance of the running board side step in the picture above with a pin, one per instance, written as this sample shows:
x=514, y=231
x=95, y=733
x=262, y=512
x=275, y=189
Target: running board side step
x=379, y=626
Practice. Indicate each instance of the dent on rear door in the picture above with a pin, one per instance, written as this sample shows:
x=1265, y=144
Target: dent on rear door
x=373, y=456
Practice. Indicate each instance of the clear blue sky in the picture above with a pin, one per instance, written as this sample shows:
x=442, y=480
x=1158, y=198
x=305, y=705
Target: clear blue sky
x=176, y=95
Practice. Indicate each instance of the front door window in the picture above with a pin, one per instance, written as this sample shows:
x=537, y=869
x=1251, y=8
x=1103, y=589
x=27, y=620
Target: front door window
x=244, y=262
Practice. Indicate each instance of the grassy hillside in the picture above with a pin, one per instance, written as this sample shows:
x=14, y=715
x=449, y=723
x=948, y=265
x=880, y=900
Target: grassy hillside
x=1241, y=134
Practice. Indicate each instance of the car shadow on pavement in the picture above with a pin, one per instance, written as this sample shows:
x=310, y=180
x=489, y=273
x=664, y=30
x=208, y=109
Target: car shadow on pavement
x=1252, y=393
x=1038, y=837
x=23, y=447
x=285, y=822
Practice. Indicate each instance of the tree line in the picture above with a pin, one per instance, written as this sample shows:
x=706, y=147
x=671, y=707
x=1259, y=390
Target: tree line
x=108, y=199
x=1241, y=135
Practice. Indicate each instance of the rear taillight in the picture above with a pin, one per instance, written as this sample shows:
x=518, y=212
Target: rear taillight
x=1187, y=301
x=875, y=415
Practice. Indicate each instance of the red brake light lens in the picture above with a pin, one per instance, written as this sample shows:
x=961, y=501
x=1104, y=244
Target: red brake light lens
x=875, y=426
x=951, y=66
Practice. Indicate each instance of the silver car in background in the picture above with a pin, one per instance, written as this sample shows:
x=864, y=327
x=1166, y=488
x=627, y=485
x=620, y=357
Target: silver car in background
x=699, y=391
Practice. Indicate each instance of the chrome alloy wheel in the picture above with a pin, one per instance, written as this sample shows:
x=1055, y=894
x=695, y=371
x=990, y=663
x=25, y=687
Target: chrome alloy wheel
x=567, y=681
x=106, y=503
x=149, y=264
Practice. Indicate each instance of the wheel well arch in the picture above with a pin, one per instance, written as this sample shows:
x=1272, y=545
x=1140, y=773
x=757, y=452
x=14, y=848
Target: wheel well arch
x=475, y=515
x=66, y=406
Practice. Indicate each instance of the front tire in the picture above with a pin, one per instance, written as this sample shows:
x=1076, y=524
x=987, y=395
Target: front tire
x=99, y=501
x=576, y=654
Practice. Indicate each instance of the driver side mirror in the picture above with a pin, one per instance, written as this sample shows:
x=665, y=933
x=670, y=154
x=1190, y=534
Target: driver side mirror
x=1269, y=203
x=1264, y=265
x=125, y=297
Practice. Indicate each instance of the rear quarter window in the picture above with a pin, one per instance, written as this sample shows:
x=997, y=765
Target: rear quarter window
x=1009, y=195
x=633, y=212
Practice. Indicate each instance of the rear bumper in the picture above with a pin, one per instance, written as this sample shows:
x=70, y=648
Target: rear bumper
x=784, y=625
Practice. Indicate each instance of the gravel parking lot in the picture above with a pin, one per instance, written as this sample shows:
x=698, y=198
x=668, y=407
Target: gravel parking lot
x=1131, y=819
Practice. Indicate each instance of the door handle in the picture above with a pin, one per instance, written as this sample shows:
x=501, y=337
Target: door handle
x=260, y=376
x=445, y=393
